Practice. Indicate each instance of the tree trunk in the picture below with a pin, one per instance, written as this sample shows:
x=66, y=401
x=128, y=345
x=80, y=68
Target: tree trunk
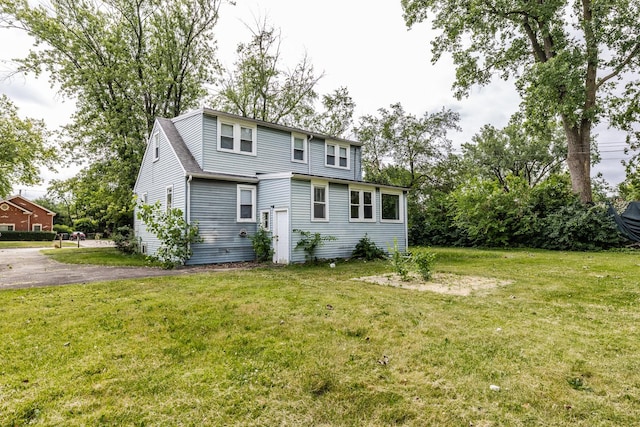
x=579, y=159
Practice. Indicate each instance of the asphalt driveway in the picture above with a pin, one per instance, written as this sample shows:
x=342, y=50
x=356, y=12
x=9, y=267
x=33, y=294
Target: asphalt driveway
x=28, y=268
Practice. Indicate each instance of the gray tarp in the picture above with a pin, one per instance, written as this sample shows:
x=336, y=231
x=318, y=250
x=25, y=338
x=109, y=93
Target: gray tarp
x=628, y=221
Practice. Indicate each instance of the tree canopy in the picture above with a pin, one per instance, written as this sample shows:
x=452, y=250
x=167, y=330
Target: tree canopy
x=578, y=61
x=125, y=62
x=23, y=148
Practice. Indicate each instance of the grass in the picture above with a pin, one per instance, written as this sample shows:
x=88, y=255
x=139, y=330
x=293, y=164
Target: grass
x=305, y=345
x=99, y=256
x=12, y=244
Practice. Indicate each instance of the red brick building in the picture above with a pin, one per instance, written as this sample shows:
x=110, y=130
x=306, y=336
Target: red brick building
x=20, y=214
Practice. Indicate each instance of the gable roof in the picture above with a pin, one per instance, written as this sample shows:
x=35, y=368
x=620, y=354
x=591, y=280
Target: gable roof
x=17, y=196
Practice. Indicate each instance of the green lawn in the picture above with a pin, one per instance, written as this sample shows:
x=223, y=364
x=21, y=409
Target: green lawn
x=99, y=256
x=306, y=345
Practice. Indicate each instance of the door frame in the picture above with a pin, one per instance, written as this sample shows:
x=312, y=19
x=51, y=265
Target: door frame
x=276, y=233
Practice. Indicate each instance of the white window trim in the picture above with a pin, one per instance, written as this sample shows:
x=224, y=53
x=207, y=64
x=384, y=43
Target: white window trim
x=33, y=226
x=268, y=212
x=305, y=147
x=337, y=155
x=361, y=190
x=166, y=198
x=324, y=184
x=251, y=188
x=144, y=198
x=4, y=207
x=10, y=225
x=155, y=140
x=400, y=207
x=236, y=137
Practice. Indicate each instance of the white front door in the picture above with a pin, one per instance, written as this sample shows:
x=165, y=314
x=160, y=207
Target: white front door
x=281, y=237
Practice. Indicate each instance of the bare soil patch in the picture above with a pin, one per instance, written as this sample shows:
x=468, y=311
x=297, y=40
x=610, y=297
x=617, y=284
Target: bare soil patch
x=443, y=283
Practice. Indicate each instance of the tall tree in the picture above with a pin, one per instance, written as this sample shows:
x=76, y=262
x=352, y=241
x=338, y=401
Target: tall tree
x=23, y=148
x=125, y=62
x=337, y=117
x=260, y=88
x=399, y=140
x=516, y=150
x=570, y=59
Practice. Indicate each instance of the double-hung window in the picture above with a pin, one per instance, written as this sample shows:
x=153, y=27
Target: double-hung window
x=298, y=148
x=246, y=211
x=237, y=138
x=319, y=201
x=7, y=227
x=361, y=204
x=337, y=155
x=391, y=207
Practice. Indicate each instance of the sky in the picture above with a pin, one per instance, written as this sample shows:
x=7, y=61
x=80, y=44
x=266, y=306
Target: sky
x=359, y=44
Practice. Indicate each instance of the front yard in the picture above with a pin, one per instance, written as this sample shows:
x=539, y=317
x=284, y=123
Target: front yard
x=555, y=342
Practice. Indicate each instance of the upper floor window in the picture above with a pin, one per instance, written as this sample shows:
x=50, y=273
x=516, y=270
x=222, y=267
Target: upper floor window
x=320, y=201
x=169, y=198
x=155, y=140
x=337, y=155
x=391, y=206
x=246, y=210
x=237, y=138
x=361, y=204
x=298, y=148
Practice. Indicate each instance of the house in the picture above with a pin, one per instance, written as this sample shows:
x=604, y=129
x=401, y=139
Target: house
x=18, y=213
x=232, y=175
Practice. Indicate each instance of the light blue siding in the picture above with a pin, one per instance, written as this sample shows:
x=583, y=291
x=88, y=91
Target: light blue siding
x=154, y=178
x=213, y=206
x=190, y=128
x=317, y=158
x=273, y=155
x=347, y=233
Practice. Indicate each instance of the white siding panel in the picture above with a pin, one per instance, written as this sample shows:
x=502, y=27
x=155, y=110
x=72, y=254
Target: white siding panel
x=154, y=178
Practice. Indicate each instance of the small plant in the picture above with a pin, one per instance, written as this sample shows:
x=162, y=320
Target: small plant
x=367, y=249
x=125, y=240
x=173, y=231
x=400, y=261
x=261, y=242
x=424, y=261
x=309, y=242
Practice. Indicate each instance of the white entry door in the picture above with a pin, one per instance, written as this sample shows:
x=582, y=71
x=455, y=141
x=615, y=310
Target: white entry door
x=281, y=237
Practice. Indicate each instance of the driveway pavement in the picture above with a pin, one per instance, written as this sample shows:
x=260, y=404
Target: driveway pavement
x=27, y=268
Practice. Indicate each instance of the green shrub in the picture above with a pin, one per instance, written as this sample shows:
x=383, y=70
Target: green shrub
x=125, y=240
x=61, y=228
x=400, y=261
x=424, y=261
x=261, y=242
x=173, y=231
x=367, y=249
x=309, y=242
x=26, y=236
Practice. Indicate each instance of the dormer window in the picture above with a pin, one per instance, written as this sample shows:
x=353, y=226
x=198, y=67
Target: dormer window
x=236, y=138
x=337, y=155
x=298, y=148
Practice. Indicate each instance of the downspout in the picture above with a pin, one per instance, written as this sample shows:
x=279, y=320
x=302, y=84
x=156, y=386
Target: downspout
x=188, y=199
x=309, y=154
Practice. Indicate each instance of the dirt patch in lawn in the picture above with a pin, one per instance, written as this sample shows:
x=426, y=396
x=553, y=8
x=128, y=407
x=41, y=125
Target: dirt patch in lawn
x=443, y=283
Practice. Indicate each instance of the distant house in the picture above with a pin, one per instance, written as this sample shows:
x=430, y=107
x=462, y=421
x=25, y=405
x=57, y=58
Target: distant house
x=232, y=175
x=18, y=213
